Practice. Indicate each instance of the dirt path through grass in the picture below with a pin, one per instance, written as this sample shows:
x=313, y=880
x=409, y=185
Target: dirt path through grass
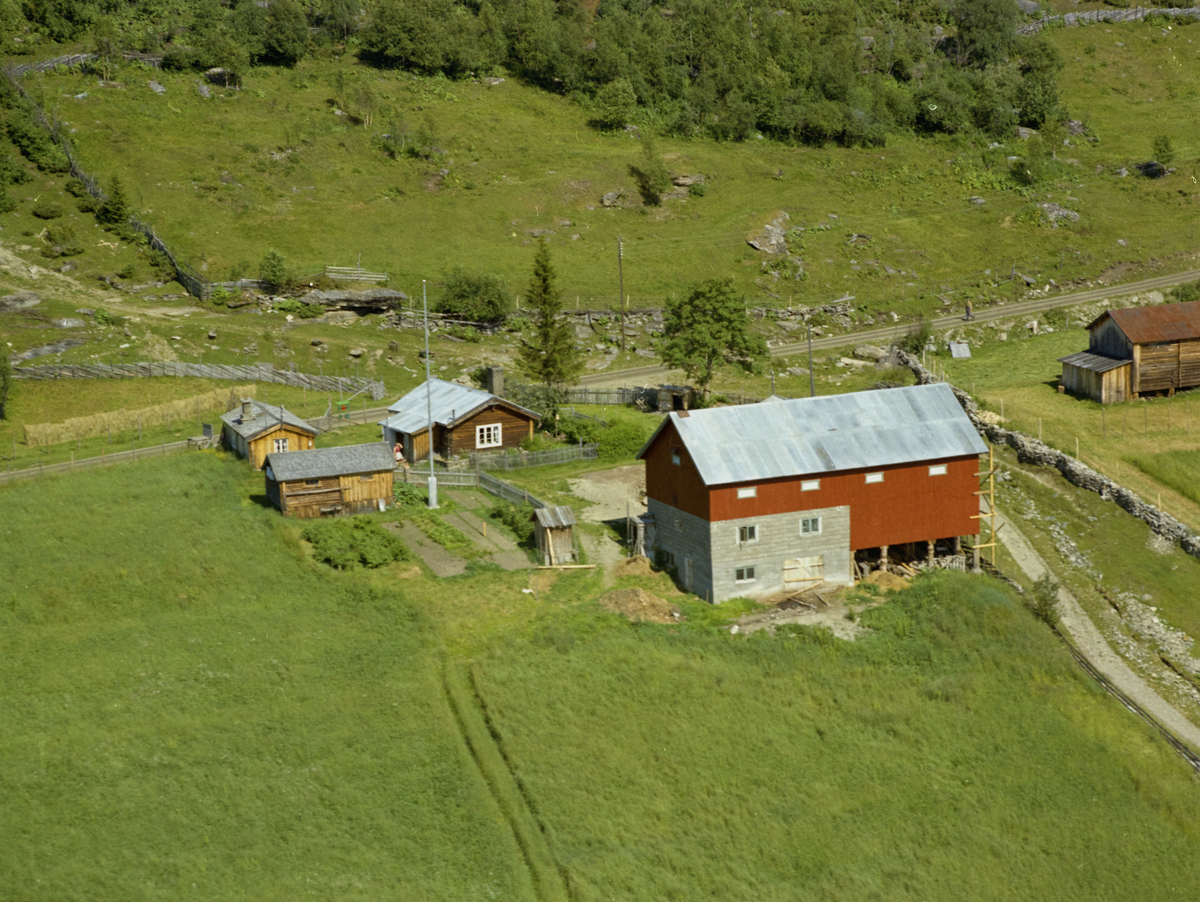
x=1091, y=642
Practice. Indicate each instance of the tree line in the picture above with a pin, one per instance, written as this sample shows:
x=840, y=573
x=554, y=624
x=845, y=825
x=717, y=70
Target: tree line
x=848, y=72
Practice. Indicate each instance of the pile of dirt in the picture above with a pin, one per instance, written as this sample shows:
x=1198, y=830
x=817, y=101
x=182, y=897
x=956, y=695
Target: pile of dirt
x=889, y=582
x=635, y=566
x=638, y=604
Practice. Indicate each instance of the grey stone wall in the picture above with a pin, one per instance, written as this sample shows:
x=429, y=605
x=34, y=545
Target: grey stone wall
x=690, y=541
x=1031, y=451
x=779, y=539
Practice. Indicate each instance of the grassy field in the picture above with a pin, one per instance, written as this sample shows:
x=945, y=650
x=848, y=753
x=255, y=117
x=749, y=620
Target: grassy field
x=274, y=165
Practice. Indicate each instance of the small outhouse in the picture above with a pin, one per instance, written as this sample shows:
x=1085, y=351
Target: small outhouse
x=555, y=541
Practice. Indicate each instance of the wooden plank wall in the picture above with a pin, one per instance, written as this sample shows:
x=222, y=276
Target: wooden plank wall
x=1163, y=366
x=1108, y=339
x=265, y=444
x=367, y=487
x=514, y=429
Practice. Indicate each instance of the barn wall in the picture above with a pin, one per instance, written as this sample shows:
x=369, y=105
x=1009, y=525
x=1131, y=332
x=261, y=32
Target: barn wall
x=1115, y=385
x=264, y=444
x=368, y=487
x=1108, y=339
x=678, y=485
x=1158, y=366
x=514, y=429
x=688, y=538
x=908, y=506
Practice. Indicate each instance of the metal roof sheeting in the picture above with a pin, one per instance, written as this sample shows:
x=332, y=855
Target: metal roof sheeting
x=555, y=517
x=320, y=463
x=1164, y=322
x=1097, y=363
x=752, y=442
x=263, y=417
x=450, y=402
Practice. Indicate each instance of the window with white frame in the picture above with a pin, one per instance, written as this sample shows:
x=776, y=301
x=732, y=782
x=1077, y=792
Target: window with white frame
x=937, y=470
x=748, y=492
x=281, y=444
x=809, y=485
x=810, y=526
x=874, y=477
x=675, y=458
x=747, y=534
x=744, y=574
x=487, y=436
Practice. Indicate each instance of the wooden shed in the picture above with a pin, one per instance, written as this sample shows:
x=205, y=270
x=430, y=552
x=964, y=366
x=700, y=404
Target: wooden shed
x=553, y=529
x=1095, y=376
x=676, y=397
x=464, y=419
x=255, y=430
x=1160, y=344
x=325, y=482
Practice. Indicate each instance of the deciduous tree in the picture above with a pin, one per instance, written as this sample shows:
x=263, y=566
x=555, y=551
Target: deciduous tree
x=709, y=329
x=548, y=352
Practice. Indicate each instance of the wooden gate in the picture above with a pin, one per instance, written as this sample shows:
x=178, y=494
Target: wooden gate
x=800, y=573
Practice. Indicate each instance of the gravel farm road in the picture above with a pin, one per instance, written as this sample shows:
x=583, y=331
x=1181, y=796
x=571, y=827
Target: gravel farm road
x=654, y=373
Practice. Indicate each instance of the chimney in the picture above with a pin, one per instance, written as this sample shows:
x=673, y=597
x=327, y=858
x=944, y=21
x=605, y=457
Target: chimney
x=494, y=380
x=247, y=411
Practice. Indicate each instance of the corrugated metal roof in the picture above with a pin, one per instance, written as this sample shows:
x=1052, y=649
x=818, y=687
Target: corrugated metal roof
x=324, y=462
x=555, y=517
x=450, y=402
x=1162, y=322
x=262, y=418
x=752, y=442
x=1097, y=363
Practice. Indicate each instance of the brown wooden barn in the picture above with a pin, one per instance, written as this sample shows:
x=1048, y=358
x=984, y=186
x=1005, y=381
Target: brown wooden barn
x=465, y=420
x=255, y=430
x=326, y=482
x=1137, y=351
x=553, y=529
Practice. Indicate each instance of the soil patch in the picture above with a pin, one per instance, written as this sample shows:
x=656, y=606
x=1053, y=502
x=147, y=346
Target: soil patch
x=635, y=566
x=613, y=493
x=889, y=582
x=639, y=605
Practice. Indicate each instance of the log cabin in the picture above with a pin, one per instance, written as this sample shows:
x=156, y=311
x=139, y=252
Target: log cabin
x=326, y=482
x=760, y=498
x=255, y=430
x=465, y=420
x=1137, y=351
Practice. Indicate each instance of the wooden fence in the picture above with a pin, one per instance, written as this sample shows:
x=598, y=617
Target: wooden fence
x=88, y=463
x=354, y=274
x=524, y=459
x=471, y=479
x=254, y=372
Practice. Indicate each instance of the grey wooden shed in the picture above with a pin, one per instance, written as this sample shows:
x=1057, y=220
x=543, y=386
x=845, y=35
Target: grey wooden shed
x=553, y=529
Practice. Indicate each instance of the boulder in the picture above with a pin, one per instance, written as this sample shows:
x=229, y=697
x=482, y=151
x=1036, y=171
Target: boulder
x=686, y=181
x=869, y=352
x=1029, y=7
x=20, y=300
x=771, y=239
x=610, y=199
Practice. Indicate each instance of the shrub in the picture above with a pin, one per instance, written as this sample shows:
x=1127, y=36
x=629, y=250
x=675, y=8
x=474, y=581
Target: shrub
x=352, y=542
x=47, y=210
x=918, y=336
x=576, y=430
x=623, y=439
x=7, y=202
x=1164, y=150
x=517, y=517
x=272, y=270
x=463, y=333
x=62, y=241
x=409, y=495
x=12, y=172
x=1044, y=600
x=477, y=297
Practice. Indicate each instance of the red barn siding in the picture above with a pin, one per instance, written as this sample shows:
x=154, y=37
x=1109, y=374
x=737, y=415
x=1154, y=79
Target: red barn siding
x=678, y=485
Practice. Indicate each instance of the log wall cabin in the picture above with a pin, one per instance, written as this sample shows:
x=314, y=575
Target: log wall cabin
x=327, y=482
x=255, y=430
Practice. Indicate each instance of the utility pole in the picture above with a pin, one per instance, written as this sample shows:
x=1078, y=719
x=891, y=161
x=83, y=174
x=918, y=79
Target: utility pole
x=433, y=502
x=812, y=385
x=621, y=282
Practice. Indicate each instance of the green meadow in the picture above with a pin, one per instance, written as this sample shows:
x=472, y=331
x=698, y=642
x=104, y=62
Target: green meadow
x=196, y=709
x=274, y=165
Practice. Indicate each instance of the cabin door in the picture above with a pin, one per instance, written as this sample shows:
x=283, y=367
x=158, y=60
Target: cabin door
x=802, y=573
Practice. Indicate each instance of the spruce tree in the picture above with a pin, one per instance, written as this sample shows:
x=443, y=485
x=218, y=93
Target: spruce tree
x=115, y=210
x=548, y=352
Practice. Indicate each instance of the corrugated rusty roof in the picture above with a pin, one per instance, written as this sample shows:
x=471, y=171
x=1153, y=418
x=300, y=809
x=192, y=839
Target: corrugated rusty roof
x=450, y=402
x=751, y=442
x=555, y=517
x=1097, y=363
x=318, y=463
x=1162, y=322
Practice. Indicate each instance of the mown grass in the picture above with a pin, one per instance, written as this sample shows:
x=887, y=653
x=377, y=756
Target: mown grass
x=273, y=165
x=1178, y=469
x=952, y=742
x=193, y=711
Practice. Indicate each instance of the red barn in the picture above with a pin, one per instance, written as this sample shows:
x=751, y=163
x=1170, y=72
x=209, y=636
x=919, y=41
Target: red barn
x=753, y=499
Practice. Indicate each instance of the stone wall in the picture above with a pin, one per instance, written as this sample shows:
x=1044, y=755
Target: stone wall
x=1031, y=451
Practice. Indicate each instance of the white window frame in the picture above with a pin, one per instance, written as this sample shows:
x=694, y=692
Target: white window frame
x=807, y=527
x=747, y=533
x=281, y=444
x=938, y=469
x=745, y=575
x=748, y=492
x=488, y=436
x=809, y=485
x=873, y=478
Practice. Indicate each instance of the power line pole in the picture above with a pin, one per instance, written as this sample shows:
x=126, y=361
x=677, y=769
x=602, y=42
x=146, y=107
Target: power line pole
x=621, y=281
x=433, y=499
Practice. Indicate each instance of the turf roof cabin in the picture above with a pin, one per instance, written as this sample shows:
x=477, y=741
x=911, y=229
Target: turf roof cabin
x=255, y=430
x=760, y=498
x=327, y=482
x=465, y=420
x=1137, y=351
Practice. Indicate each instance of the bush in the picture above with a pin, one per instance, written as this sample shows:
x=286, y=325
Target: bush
x=407, y=494
x=476, y=297
x=12, y=171
x=517, y=517
x=62, y=241
x=272, y=270
x=352, y=542
x=1044, y=600
x=576, y=430
x=7, y=202
x=623, y=439
x=918, y=336
x=47, y=210
x=463, y=333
